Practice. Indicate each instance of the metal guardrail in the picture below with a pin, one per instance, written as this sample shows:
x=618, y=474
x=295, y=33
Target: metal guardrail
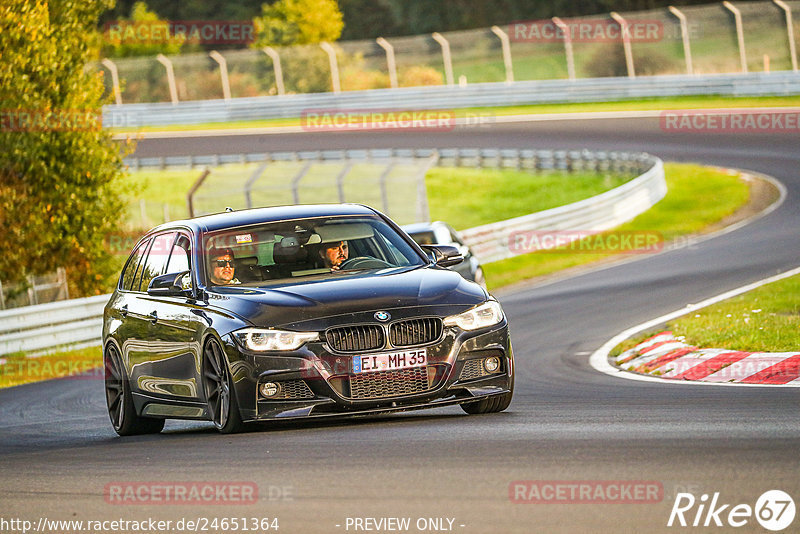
x=446, y=97
x=78, y=322
x=493, y=242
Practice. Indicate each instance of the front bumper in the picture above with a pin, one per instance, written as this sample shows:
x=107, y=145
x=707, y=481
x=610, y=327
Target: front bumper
x=319, y=380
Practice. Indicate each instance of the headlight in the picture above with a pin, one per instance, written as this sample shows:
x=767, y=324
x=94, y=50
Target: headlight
x=261, y=339
x=487, y=314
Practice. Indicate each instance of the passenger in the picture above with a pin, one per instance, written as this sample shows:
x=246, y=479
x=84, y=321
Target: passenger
x=334, y=254
x=221, y=269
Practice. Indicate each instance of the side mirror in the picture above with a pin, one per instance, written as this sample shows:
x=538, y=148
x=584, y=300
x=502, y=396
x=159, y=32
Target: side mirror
x=443, y=256
x=168, y=285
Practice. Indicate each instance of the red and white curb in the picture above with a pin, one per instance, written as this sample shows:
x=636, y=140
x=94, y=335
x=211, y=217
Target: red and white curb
x=679, y=363
x=668, y=357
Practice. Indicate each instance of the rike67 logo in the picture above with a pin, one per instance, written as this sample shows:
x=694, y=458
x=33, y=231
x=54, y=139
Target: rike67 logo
x=774, y=510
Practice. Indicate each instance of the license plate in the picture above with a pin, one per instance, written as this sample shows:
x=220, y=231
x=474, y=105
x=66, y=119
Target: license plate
x=404, y=359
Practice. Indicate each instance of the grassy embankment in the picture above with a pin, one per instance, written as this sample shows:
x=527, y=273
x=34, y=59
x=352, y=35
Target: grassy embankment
x=766, y=319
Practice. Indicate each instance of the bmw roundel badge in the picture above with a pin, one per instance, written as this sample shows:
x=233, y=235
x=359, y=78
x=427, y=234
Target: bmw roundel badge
x=382, y=316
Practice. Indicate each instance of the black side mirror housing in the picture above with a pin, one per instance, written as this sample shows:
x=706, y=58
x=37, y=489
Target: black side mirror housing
x=443, y=255
x=168, y=285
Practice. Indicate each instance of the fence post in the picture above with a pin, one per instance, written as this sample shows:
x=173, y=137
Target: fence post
x=248, y=186
x=390, y=62
x=737, y=16
x=687, y=50
x=340, y=178
x=506, y=53
x=567, y=47
x=626, y=42
x=296, y=181
x=173, y=89
x=382, y=182
x=193, y=190
x=2, y=297
x=276, y=66
x=223, y=73
x=790, y=30
x=448, y=61
x=337, y=88
x=112, y=68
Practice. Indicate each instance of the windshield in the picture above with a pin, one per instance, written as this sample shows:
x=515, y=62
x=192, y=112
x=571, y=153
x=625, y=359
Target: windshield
x=302, y=248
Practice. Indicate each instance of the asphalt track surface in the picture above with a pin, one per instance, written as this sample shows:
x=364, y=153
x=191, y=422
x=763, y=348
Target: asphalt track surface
x=567, y=422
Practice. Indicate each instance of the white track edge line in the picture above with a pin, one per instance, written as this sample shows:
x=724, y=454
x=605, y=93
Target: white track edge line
x=599, y=359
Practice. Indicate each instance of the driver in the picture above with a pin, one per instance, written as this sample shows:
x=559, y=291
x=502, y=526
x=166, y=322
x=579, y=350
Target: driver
x=221, y=263
x=334, y=254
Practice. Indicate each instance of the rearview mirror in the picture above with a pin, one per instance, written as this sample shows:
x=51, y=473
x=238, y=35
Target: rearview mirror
x=443, y=255
x=168, y=285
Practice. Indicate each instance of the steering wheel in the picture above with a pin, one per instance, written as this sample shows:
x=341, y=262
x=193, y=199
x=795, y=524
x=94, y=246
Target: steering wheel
x=364, y=262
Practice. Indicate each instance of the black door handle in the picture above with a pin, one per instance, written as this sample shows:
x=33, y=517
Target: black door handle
x=124, y=311
x=153, y=317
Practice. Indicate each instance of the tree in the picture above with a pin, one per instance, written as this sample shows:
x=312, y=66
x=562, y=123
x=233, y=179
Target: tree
x=59, y=171
x=293, y=22
x=122, y=40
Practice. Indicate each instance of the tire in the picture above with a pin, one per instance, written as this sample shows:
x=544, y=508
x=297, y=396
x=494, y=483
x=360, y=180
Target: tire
x=119, y=401
x=218, y=386
x=494, y=404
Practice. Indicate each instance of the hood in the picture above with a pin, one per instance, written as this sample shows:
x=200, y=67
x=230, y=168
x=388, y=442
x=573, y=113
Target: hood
x=347, y=294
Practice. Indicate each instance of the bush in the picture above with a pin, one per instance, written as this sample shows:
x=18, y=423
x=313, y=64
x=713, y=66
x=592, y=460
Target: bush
x=419, y=75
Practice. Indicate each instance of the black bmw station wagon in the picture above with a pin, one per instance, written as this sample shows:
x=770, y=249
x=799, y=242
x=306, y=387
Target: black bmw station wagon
x=297, y=312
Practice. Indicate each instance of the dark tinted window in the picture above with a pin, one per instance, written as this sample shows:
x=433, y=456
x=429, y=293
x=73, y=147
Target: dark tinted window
x=179, y=258
x=129, y=273
x=156, y=259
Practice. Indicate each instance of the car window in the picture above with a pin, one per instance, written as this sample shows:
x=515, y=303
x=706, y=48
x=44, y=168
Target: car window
x=293, y=249
x=131, y=268
x=179, y=257
x=156, y=260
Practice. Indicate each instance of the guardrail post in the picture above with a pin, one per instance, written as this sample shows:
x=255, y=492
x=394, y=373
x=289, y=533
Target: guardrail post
x=687, y=50
x=173, y=90
x=223, y=73
x=391, y=65
x=790, y=31
x=446, y=58
x=276, y=66
x=737, y=17
x=567, y=47
x=112, y=68
x=337, y=88
x=626, y=43
x=506, y=45
x=193, y=190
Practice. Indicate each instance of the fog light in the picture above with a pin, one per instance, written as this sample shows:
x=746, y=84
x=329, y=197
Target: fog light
x=491, y=364
x=269, y=389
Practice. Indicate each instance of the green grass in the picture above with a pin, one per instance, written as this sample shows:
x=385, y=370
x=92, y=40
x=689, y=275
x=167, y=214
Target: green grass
x=766, y=319
x=689, y=102
x=697, y=197
x=464, y=197
x=471, y=197
x=20, y=369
